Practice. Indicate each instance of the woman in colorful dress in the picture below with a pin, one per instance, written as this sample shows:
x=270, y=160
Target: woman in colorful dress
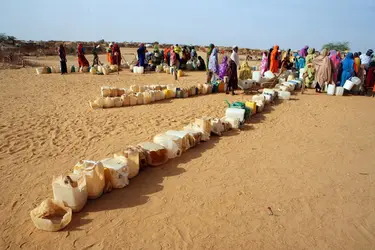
x=275, y=59
x=309, y=68
x=82, y=61
x=264, y=63
x=347, y=68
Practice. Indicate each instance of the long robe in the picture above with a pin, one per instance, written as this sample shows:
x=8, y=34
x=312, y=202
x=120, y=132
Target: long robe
x=347, y=68
x=275, y=60
x=323, y=68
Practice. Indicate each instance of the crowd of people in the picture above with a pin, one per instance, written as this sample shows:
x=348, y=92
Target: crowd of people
x=324, y=67
x=319, y=68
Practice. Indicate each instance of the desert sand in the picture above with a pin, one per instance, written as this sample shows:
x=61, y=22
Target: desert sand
x=310, y=159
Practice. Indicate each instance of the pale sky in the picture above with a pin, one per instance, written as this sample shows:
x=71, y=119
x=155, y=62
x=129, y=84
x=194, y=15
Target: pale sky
x=246, y=23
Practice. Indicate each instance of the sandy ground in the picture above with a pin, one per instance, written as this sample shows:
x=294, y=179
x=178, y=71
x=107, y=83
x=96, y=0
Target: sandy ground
x=310, y=159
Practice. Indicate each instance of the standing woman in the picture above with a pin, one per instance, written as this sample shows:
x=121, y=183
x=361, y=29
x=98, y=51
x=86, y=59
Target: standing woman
x=269, y=59
x=141, y=52
x=309, y=68
x=274, y=59
x=347, y=68
x=62, y=55
x=357, y=64
x=223, y=68
x=323, y=70
x=232, y=75
x=264, y=64
x=304, y=51
x=82, y=61
x=116, y=59
x=109, y=54
x=209, y=51
x=213, y=66
x=335, y=60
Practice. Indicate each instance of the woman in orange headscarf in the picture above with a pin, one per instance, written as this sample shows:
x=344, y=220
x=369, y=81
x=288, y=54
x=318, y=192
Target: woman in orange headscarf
x=274, y=60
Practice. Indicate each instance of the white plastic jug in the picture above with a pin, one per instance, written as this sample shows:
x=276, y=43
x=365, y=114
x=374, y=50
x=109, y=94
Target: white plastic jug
x=235, y=113
x=156, y=154
x=301, y=72
x=187, y=140
x=125, y=100
x=234, y=122
x=269, y=92
x=348, y=85
x=109, y=102
x=94, y=173
x=72, y=190
x=218, y=127
x=146, y=98
x=172, y=143
x=105, y=91
x=284, y=95
x=139, y=98
x=260, y=106
x=267, y=98
x=118, y=171
x=133, y=100
x=118, y=102
x=256, y=76
x=256, y=98
x=269, y=75
x=339, y=91
x=331, y=89
x=356, y=80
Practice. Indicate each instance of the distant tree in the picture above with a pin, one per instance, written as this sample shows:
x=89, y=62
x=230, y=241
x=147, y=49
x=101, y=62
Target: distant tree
x=338, y=46
x=101, y=41
x=12, y=39
x=3, y=37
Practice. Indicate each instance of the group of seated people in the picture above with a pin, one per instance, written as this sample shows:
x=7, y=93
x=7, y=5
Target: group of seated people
x=181, y=58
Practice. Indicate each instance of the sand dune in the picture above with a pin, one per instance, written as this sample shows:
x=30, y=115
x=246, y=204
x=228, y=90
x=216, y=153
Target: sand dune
x=310, y=159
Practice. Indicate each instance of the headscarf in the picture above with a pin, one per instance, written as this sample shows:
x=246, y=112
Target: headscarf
x=213, y=63
x=323, y=68
x=235, y=57
x=156, y=48
x=335, y=59
x=303, y=52
x=264, y=63
x=348, y=63
x=223, y=67
x=310, y=55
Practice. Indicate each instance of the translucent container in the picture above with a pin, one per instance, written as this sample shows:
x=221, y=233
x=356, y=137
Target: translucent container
x=94, y=173
x=234, y=122
x=157, y=94
x=267, y=98
x=269, y=92
x=108, y=102
x=134, y=88
x=118, y=102
x=118, y=171
x=180, y=73
x=125, y=100
x=235, y=113
x=141, y=70
x=153, y=96
x=133, y=100
x=356, y=80
x=187, y=140
x=260, y=106
x=146, y=98
x=114, y=91
x=339, y=91
x=105, y=91
x=348, y=85
x=197, y=135
x=257, y=98
x=172, y=143
x=204, y=124
x=134, y=161
x=141, y=89
x=93, y=71
x=41, y=70
x=284, y=95
x=331, y=89
x=172, y=88
x=139, y=98
x=72, y=190
x=269, y=75
x=256, y=76
x=156, y=154
x=218, y=126
x=98, y=103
